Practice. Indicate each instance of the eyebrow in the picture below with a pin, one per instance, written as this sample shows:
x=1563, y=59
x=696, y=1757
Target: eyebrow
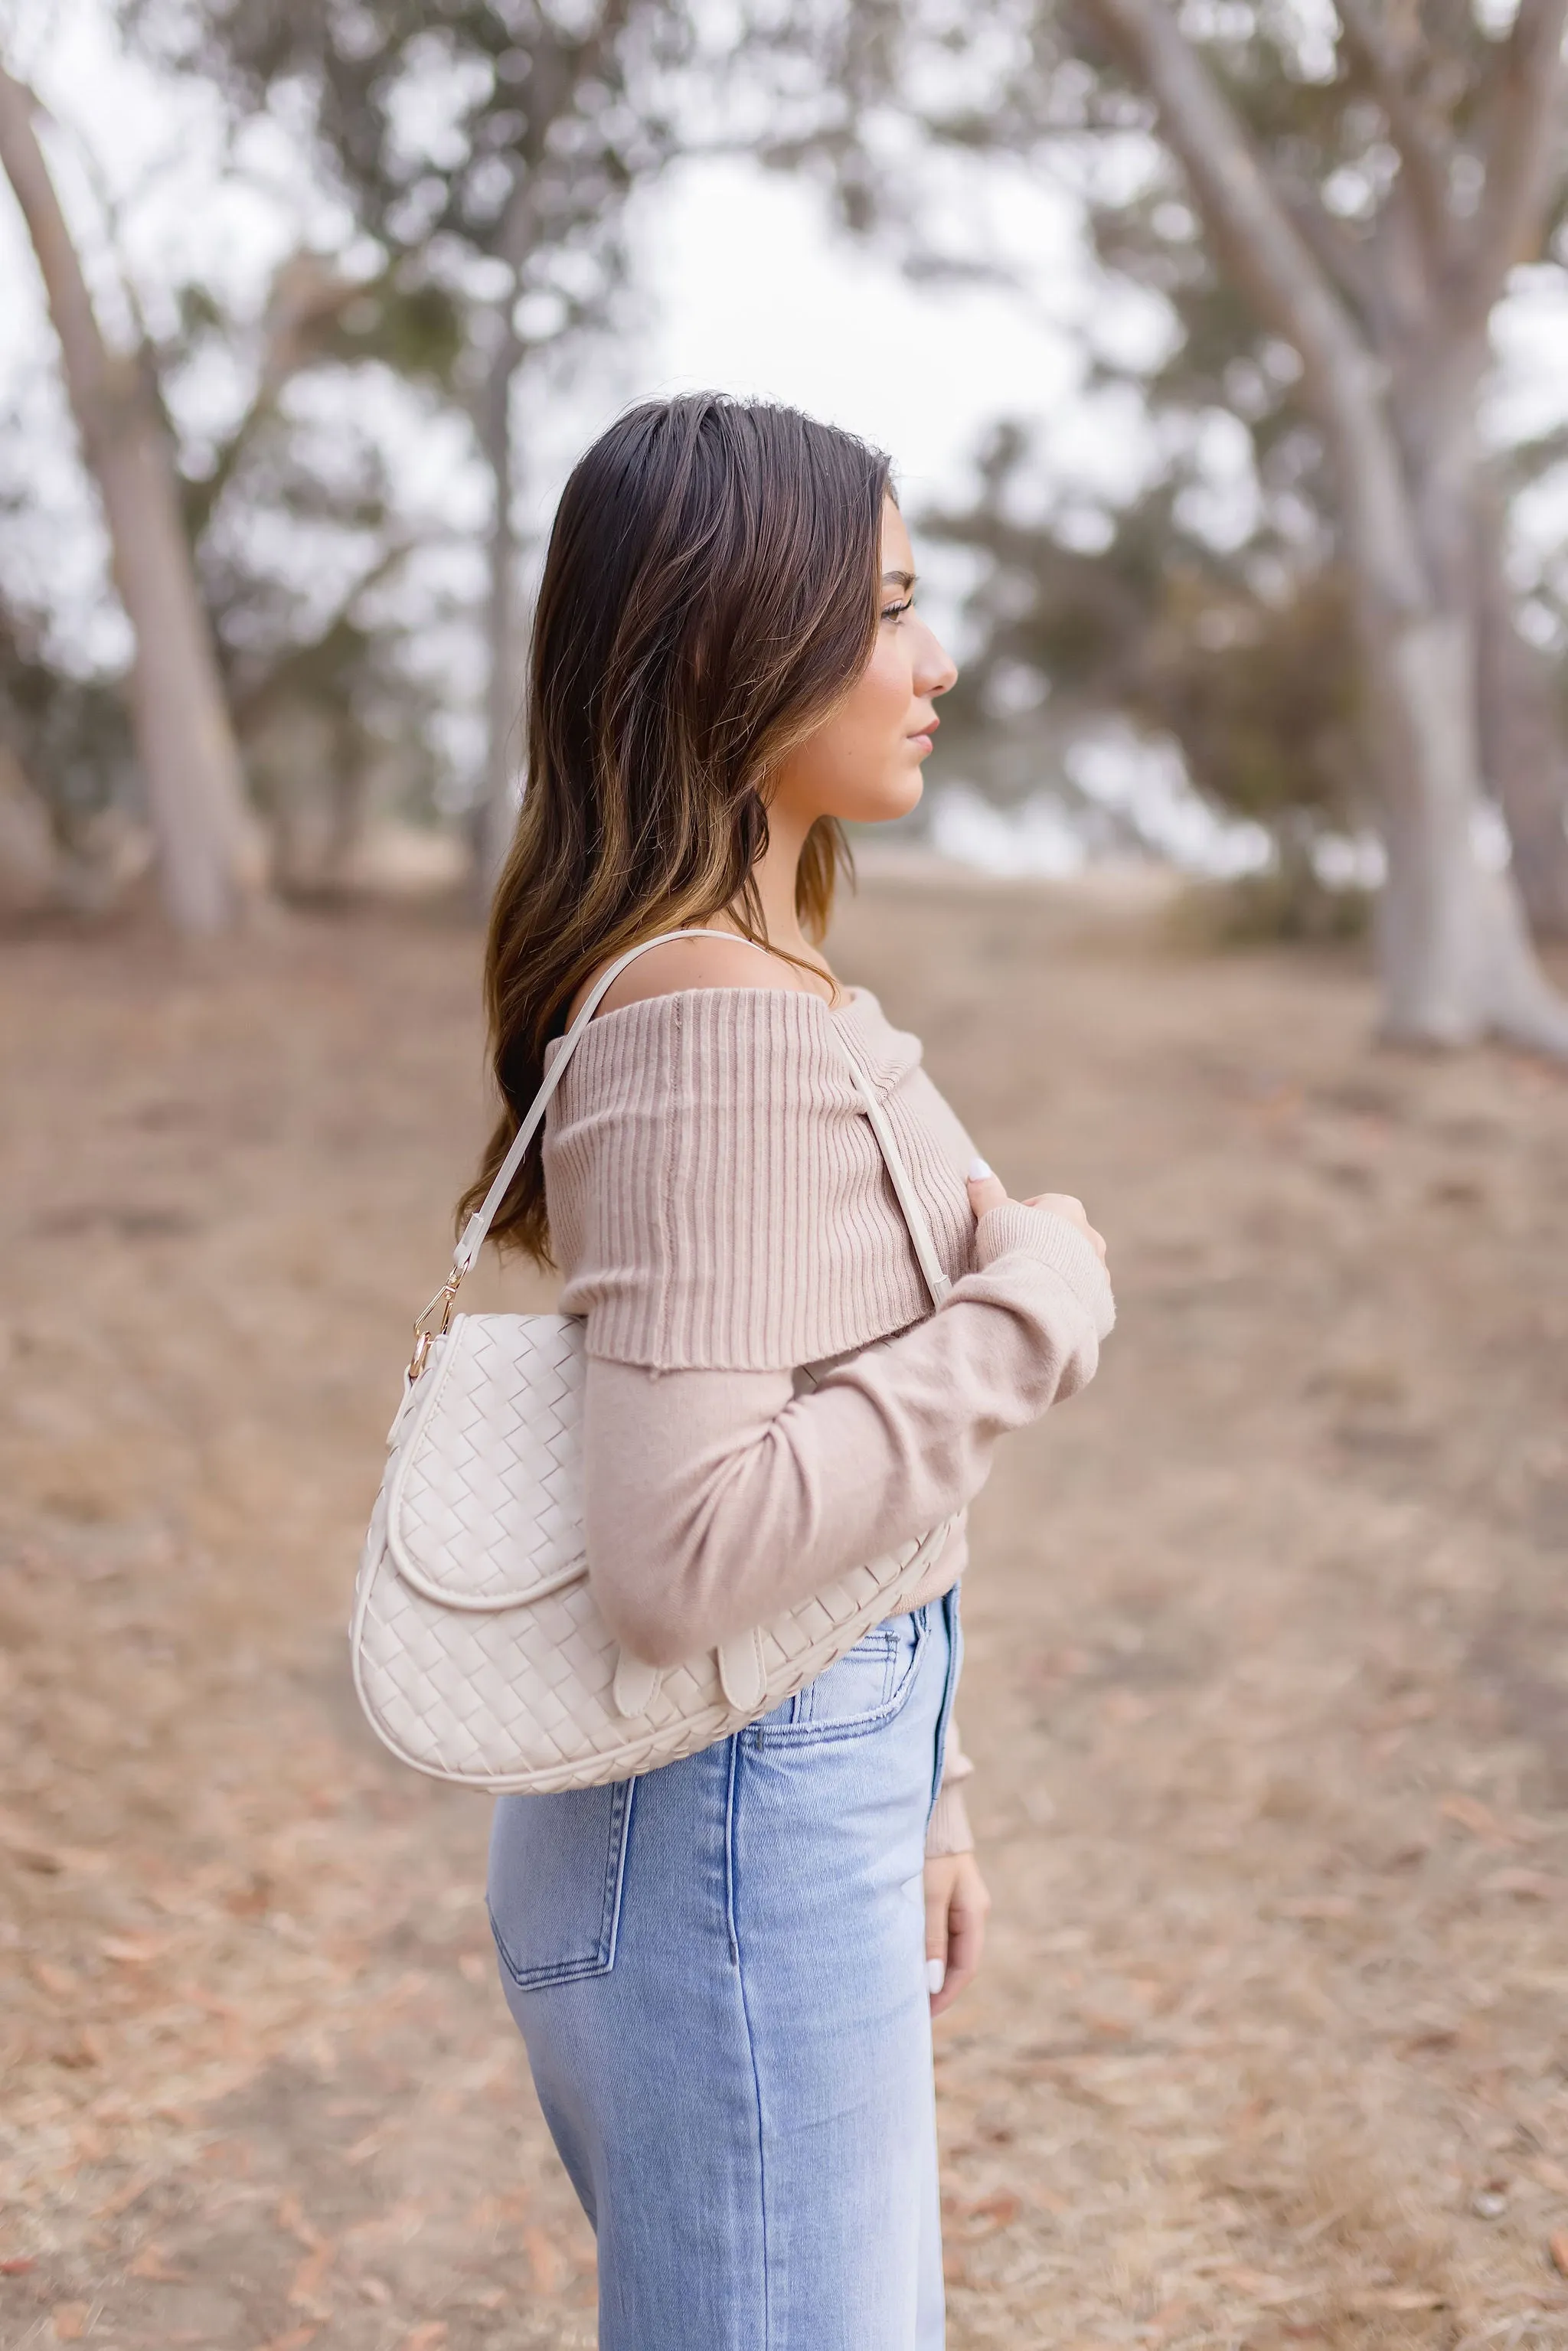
x=905, y=579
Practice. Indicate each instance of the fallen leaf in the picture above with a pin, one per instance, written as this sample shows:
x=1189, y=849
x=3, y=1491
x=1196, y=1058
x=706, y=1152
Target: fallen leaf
x=295, y=2340
x=1267, y=2292
x=1551, y=2175
x=544, y=2262
x=43, y=1859
x=291, y=2219
x=76, y=2056
x=1470, y=1812
x=124, y=2196
x=1557, y=2246
x=307, y=2278
x=133, y=1950
x=1530, y=1885
x=428, y=2337
x=153, y=2262
x=1404, y=2297
x=1000, y=2209
x=251, y=1900
x=69, y=2320
x=19, y=2266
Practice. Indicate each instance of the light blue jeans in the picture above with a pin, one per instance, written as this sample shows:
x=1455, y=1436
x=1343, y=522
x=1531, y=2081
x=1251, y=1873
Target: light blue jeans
x=720, y=1971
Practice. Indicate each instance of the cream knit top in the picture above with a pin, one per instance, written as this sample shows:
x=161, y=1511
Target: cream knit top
x=770, y=1399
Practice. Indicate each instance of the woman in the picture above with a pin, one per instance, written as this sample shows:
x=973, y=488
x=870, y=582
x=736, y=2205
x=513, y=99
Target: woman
x=720, y=1968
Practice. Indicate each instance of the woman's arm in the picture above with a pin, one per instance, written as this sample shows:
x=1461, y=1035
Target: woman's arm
x=716, y=1498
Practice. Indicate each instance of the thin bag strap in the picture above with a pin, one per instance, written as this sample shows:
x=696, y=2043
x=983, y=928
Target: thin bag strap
x=478, y=1224
x=914, y=1215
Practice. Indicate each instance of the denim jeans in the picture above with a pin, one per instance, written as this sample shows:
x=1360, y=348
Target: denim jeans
x=719, y=1973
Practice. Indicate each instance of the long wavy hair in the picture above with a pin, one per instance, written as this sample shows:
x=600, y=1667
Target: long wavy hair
x=709, y=595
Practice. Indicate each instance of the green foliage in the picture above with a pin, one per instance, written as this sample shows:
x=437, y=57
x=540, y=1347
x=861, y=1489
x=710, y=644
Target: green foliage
x=68, y=735
x=502, y=130
x=1242, y=657
x=1288, y=901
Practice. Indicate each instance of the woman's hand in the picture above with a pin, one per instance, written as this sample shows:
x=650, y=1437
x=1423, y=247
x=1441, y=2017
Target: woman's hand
x=988, y=1191
x=956, y=1907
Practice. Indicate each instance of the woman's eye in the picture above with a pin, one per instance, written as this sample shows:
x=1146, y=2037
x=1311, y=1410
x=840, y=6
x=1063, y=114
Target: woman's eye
x=897, y=611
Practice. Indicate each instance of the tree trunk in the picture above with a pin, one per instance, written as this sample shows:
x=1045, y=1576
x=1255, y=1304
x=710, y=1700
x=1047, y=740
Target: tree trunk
x=504, y=685
x=1456, y=958
x=1456, y=954
x=1454, y=951
x=1521, y=749
x=195, y=781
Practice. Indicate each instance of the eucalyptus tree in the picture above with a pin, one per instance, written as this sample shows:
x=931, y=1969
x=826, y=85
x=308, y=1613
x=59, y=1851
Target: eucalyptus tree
x=488, y=151
x=184, y=739
x=1365, y=183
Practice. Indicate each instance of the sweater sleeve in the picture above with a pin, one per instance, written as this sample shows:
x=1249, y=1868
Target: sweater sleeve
x=716, y=1498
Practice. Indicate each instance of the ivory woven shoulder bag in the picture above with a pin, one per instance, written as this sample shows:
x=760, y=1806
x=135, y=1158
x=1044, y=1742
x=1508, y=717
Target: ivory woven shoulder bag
x=478, y=1652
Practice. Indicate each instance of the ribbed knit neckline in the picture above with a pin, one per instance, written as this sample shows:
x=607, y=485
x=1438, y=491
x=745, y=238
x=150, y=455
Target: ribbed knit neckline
x=716, y=1197
x=855, y=998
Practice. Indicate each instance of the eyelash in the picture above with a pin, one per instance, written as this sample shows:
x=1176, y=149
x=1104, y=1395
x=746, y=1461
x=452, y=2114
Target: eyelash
x=897, y=611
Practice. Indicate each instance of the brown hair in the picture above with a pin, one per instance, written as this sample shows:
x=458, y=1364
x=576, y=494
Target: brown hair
x=709, y=593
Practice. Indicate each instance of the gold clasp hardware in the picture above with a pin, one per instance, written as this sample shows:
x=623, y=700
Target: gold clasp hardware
x=425, y=1335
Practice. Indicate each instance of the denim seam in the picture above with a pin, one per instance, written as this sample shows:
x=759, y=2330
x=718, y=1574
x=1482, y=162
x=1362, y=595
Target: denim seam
x=857, y=1726
x=750, y=2051
x=729, y=1853
x=601, y=1959
x=615, y=1879
x=949, y=1604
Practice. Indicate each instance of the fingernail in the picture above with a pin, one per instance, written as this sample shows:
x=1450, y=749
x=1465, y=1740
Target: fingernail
x=937, y=1969
x=979, y=1171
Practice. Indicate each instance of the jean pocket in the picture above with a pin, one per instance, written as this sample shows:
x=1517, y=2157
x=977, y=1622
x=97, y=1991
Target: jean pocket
x=866, y=1687
x=557, y=1865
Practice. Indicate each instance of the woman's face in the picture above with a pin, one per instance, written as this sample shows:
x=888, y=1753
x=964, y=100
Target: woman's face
x=863, y=762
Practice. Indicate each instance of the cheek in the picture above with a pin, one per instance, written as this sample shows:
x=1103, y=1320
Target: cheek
x=876, y=712
x=856, y=765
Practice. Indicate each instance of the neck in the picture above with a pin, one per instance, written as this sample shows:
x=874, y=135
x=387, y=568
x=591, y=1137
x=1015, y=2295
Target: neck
x=774, y=874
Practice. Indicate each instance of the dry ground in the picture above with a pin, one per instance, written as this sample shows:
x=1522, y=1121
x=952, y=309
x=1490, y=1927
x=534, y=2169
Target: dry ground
x=1267, y=1676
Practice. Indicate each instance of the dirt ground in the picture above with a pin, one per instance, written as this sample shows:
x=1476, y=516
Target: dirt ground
x=1267, y=1684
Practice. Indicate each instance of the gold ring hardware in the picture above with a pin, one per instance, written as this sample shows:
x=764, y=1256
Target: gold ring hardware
x=424, y=1335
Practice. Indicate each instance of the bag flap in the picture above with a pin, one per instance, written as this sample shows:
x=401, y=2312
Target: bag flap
x=484, y=1494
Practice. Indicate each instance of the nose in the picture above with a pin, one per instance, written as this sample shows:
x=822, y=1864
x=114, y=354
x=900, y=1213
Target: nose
x=935, y=671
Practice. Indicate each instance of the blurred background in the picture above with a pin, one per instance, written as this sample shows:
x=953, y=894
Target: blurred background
x=1222, y=354
x=343, y=291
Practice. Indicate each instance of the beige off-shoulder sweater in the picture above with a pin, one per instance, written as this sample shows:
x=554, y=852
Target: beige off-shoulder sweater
x=770, y=1399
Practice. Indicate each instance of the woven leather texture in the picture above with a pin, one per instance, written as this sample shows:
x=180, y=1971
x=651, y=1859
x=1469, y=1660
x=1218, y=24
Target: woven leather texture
x=480, y=1654
x=485, y=1498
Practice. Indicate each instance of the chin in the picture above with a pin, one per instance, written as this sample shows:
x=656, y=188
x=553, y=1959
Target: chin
x=896, y=797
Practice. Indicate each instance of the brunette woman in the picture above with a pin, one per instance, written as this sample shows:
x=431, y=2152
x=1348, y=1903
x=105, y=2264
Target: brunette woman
x=725, y=1971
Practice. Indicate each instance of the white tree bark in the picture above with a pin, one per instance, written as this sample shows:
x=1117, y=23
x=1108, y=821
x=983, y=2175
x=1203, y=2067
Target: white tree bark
x=183, y=736
x=1456, y=959
x=504, y=680
x=1525, y=756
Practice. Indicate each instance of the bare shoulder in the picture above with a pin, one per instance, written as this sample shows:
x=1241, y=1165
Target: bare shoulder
x=707, y=962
